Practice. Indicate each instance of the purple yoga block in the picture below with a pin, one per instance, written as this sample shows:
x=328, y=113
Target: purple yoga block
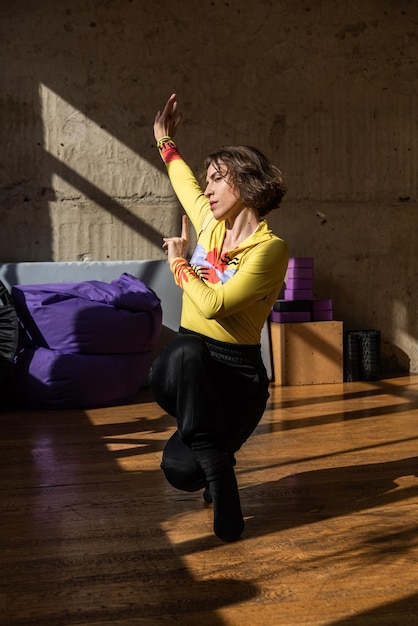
x=290, y=317
x=322, y=316
x=322, y=305
x=299, y=283
x=298, y=294
x=300, y=261
x=299, y=272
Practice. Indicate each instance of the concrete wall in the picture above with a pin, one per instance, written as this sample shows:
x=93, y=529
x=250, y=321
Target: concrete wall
x=328, y=89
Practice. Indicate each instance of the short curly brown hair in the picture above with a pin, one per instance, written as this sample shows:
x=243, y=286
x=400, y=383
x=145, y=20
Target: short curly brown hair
x=258, y=182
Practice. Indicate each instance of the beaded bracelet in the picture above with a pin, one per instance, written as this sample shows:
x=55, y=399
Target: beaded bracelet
x=163, y=140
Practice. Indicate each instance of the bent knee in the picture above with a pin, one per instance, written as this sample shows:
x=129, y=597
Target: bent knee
x=181, y=477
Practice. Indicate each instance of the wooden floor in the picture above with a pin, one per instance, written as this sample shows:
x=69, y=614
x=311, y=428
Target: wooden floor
x=92, y=535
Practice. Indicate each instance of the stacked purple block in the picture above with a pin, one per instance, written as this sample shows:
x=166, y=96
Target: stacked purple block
x=298, y=303
x=322, y=310
x=299, y=279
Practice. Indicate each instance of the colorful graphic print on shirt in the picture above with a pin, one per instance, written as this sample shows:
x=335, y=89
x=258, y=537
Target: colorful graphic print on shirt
x=208, y=266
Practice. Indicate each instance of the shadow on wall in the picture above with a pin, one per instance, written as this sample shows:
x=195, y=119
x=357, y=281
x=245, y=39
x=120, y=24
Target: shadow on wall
x=25, y=186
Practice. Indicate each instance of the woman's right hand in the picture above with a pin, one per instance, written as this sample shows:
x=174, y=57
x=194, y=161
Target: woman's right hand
x=177, y=246
x=167, y=122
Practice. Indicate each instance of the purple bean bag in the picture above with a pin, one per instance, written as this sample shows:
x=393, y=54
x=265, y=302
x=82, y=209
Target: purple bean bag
x=84, y=344
x=49, y=379
x=90, y=317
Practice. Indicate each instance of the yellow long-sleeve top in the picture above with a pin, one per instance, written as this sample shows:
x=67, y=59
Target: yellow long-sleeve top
x=226, y=297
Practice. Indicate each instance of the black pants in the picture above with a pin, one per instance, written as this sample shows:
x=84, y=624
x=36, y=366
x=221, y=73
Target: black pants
x=216, y=391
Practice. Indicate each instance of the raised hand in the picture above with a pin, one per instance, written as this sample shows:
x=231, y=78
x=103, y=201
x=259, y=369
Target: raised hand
x=178, y=246
x=167, y=122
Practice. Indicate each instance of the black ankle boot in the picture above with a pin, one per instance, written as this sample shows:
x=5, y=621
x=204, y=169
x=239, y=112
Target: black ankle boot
x=228, y=523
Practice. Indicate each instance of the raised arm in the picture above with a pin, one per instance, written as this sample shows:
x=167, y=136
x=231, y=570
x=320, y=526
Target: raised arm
x=183, y=180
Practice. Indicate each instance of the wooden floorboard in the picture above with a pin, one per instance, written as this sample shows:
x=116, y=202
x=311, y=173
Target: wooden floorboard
x=92, y=535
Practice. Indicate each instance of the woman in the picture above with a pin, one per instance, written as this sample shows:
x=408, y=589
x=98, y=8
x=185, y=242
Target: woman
x=211, y=377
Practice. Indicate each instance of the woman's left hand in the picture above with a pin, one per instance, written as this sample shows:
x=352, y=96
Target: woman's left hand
x=178, y=246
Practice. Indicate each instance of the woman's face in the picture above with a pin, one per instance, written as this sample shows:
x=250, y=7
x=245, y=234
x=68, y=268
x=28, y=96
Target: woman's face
x=224, y=199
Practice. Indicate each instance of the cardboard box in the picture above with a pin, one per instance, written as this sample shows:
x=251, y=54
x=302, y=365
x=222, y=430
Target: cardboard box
x=307, y=353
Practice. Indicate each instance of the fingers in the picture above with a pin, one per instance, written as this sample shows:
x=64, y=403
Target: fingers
x=171, y=241
x=170, y=107
x=167, y=121
x=172, y=102
x=185, y=228
x=178, y=246
x=171, y=114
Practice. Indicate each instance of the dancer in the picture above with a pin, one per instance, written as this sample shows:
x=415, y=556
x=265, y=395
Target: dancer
x=211, y=377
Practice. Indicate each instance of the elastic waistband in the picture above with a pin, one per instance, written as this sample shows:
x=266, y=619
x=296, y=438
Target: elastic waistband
x=241, y=354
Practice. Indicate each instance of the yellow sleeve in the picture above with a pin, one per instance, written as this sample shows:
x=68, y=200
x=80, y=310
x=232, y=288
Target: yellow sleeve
x=184, y=183
x=261, y=270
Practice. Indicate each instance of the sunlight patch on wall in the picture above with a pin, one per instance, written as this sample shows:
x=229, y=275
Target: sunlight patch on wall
x=404, y=323
x=94, y=154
